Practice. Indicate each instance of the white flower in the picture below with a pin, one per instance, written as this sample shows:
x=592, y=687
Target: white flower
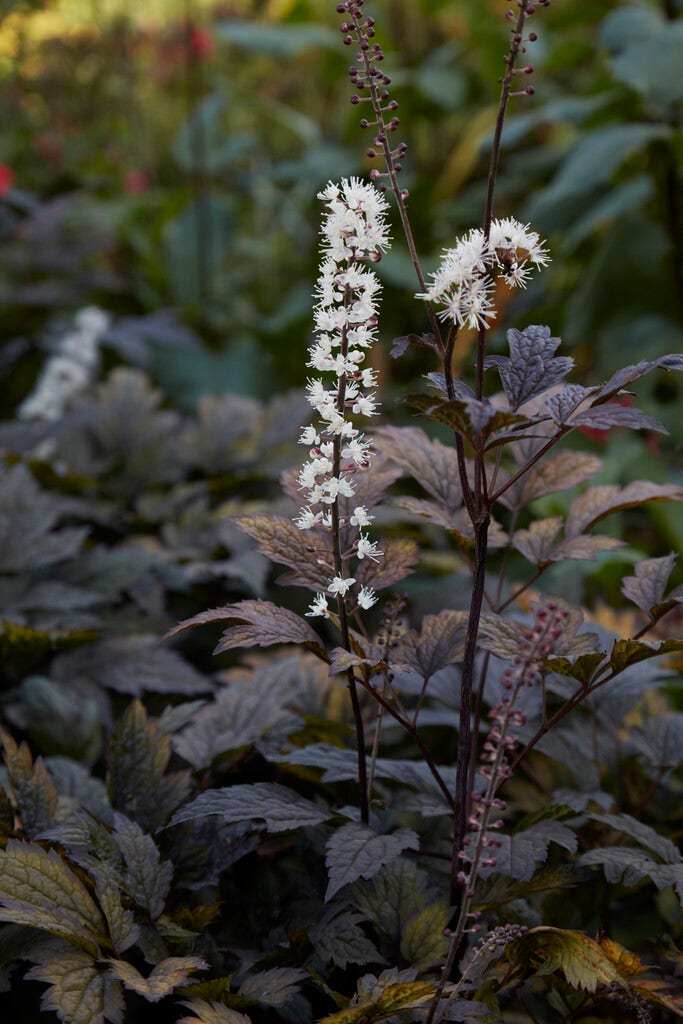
x=319, y=606
x=361, y=516
x=366, y=598
x=463, y=284
x=339, y=585
x=365, y=405
x=367, y=548
x=307, y=519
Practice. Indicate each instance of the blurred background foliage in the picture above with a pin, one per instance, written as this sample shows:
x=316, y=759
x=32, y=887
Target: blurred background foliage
x=161, y=160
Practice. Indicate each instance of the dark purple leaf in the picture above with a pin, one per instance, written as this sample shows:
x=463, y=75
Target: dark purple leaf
x=532, y=367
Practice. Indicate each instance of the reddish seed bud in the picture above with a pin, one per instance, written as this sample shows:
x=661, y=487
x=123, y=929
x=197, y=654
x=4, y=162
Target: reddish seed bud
x=404, y=193
x=532, y=37
x=347, y=40
x=371, y=153
x=354, y=99
x=341, y=8
x=370, y=33
x=529, y=91
x=529, y=69
x=398, y=167
x=374, y=174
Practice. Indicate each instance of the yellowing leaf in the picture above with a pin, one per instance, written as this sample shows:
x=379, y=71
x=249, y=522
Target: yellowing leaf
x=583, y=962
x=79, y=992
x=628, y=964
x=403, y=996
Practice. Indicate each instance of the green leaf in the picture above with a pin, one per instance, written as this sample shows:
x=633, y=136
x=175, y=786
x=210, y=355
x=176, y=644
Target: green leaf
x=211, y=1013
x=629, y=652
x=275, y=38
x=643, y=834
x=423, y=943
x=582, y=961
x=279, y=807
x=340, y=939
x=582, y=668
x=79, y=992
x=402, y=996
x=31, y=786
x=136, y=779
x=38, y=889
x=60, y=725
x=163, y=979
x=356, y=851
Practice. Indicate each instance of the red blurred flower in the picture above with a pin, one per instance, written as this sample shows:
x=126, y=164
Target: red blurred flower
x=201, y=43
x=6, y=179
x=136, y=181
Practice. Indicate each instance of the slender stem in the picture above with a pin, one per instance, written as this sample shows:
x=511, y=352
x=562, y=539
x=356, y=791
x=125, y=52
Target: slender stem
x=406, y=724
x=459, y=444
x=337, y=550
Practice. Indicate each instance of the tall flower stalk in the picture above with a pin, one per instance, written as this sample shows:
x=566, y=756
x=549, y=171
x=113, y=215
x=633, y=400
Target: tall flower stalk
x=354, y=233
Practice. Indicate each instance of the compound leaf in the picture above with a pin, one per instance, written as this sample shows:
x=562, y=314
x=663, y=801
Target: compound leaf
x=582, y=961
x=261, y=624
x=558, y=473
x=281, y=541
x=145, y=879
x=34, y=792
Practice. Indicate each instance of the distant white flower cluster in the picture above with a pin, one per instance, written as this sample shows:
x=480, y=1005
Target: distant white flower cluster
x=70, y=370
x=463, y=285
x=354, y=234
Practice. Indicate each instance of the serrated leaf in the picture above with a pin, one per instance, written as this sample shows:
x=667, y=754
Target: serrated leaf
x=629, y=652
x=583, y=963
x=605, y=417
x=79, y=992
x=392, y=897
x=123, y=931
x=621, y=864
x=440, y=642
x=501, y=636
x=279, y=807
x=38, y=889
x=399, y=555
x=563, y=404
x=584, y=547
x=212, y=1013
x=564, y=470
x=517, y=854
x=281, y=541
x=275, y=987
x=661, y=992
x=31, y=515
x=582, y=668
x=536, y=542
x=261, y=624
x=162, y=980
x=643, y=834
x=598, y=502
x=532, y=366
x=356, y=851
x=136, y=779
x=31, y=786
x=340, y=939
x=433, y=464
x=145, y=879
x=647, y=586
x=423, y=943
x=394, y=998
x=659, y=740
x=628, y=374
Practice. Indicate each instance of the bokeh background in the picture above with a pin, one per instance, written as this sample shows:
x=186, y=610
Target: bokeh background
x=160, y=161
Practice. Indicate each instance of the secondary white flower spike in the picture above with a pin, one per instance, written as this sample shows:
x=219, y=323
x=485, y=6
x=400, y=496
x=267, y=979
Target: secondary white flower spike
x=463, y=284
x=354, y=234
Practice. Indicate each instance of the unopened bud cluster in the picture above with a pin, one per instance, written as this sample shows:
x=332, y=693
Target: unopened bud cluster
x=464, y=282
x=354, y=234
x=540, y=641
x=370, y=84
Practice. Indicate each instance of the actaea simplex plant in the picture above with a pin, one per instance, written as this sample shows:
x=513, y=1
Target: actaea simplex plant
x=503, y=457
